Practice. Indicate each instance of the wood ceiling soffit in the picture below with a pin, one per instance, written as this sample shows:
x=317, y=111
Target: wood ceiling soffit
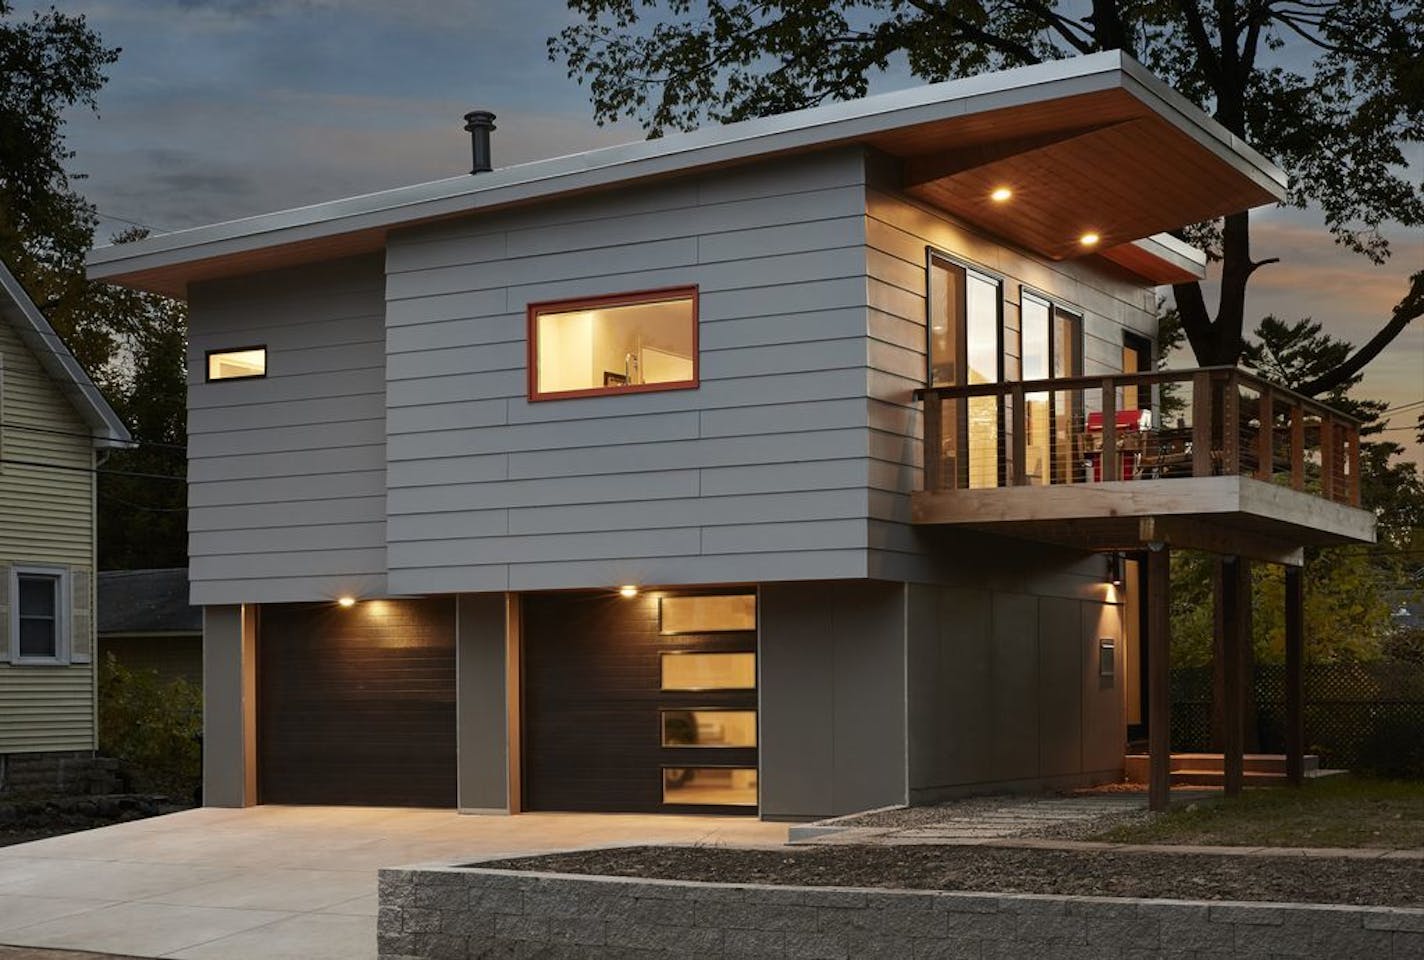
x=948, y=163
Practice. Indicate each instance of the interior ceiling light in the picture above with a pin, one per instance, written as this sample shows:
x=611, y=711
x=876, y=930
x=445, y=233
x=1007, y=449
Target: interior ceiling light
x=1089, y=239
x=1001, y=194
x=628, y=590
x=347, y=601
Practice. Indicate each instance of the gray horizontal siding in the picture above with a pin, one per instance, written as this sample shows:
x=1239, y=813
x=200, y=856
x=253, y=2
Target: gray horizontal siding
x=287, y=474
x=760, y=473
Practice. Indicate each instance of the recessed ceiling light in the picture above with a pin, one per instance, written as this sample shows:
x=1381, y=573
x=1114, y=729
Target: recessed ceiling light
x=347, y=601
x=1089, y=239
x=1001, y=194
x=628, y=590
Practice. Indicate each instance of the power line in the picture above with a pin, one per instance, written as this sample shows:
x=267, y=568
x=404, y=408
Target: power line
x=93, y=470
x=141, y=506
x=128, y=444
x=133, y=223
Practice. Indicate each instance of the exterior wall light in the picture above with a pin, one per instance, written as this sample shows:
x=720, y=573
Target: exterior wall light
x=628, y=591
x=1114, y=571
x=347, y=602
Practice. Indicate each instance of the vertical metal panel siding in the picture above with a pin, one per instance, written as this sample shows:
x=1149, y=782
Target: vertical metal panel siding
x=46, y=517
x=287, y=475
x=744, y=478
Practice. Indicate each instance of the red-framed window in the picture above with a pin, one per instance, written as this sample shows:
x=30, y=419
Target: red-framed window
x=623, y=343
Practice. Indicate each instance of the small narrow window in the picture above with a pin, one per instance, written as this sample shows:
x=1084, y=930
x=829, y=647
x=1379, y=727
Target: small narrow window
x=240, y=364
x=620, y=344
x=38, y=618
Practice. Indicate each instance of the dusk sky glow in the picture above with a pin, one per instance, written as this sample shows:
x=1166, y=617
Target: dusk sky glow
x=219, y=110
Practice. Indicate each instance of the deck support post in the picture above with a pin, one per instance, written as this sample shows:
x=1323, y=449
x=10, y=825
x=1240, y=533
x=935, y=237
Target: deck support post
x=1235, y=603
x=1159, y=666
x=1295, y=675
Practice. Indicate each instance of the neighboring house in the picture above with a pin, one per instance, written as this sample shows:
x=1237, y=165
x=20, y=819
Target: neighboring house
x=698, y=474
x=54, y=430
x=147, y=623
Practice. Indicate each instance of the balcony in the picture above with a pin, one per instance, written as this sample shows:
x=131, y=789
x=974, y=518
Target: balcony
x=1214, y=459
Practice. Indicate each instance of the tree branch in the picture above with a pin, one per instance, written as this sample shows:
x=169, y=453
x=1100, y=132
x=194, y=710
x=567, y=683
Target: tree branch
x=1408, y=310
x=1196, y=321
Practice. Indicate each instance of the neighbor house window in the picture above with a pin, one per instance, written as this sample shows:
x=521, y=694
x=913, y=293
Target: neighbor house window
x=239, y=364
x=618, y=344
x=37, y=620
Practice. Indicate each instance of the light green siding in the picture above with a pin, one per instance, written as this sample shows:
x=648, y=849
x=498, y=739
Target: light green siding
x=46, y=517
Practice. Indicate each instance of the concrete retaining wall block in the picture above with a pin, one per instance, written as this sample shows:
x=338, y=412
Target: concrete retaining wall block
x=471, y=913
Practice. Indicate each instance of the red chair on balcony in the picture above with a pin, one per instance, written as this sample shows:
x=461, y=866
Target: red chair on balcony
x=1131, y=426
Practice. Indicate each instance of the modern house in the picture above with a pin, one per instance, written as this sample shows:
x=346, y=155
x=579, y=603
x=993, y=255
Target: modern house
x=792, y=467
x=54, y=430
x=147, y=623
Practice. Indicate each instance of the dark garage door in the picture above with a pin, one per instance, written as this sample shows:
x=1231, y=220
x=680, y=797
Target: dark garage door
x=357, y=706
x=609, y=726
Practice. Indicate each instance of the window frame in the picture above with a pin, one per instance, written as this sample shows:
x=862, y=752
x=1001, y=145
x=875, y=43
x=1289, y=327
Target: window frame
x=62, y=645
x=534, y=310
x=208, y=364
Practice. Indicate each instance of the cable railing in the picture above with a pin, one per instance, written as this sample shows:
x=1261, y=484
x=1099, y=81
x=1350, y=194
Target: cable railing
x=1163, y=425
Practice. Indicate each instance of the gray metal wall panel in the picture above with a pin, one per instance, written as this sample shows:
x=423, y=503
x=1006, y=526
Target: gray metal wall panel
x=674, y=487
x=481, y=703
x=287, y=474
x=832, y=690
x=1003, y=682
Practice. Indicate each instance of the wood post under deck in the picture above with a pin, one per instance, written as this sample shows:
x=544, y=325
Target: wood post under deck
x=1235, y=602
x=1295, y=675
x=1159, y=666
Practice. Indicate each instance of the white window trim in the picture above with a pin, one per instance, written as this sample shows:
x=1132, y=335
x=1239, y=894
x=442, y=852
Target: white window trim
x=62, y=645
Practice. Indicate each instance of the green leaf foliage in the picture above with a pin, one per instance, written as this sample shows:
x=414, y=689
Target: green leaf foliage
x=154, y=725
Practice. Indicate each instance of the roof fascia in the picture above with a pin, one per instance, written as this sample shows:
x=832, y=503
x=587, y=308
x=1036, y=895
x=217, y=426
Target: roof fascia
x=37, y=334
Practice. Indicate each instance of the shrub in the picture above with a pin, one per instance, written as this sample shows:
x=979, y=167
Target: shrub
x=1393, y=747
x=153, y=726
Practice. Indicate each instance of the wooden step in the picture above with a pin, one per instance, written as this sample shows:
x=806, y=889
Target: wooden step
x=1264, y=763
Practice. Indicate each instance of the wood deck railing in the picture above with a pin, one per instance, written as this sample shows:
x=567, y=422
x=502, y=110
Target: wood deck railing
x=1213, y=421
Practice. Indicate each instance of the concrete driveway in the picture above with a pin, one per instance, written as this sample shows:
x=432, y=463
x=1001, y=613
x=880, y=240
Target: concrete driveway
x=277, y=882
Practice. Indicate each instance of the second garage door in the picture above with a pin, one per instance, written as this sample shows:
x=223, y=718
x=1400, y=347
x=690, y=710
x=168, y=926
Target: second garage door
x=357, y=706
x=640, y=704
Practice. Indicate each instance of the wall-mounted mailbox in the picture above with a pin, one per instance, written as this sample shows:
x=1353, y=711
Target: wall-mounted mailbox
x=1107, y=652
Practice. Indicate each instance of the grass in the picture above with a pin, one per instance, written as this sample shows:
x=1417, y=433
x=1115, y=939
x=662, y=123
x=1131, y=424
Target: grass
x=1342, y=811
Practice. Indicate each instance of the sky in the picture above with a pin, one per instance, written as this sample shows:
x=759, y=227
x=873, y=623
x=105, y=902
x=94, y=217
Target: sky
x=225, y=108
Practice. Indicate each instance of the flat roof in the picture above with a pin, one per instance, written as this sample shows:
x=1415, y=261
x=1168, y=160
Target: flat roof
x=898, y=121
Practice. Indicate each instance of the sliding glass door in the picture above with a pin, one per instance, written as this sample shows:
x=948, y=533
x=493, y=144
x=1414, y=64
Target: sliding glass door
x=965, y=347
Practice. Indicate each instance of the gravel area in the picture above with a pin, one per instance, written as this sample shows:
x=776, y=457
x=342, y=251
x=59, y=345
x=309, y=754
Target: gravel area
x=1290, y=879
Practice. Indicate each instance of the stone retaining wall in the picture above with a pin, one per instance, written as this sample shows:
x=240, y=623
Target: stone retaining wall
x=82, y=772
x=463, y=913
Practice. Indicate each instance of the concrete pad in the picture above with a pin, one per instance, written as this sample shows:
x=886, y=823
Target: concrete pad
x=367, y=906
x=100, y=880
x=289, y=890
x=146, y=929
x=314, y=936
x=274, y=882
x=24, y=911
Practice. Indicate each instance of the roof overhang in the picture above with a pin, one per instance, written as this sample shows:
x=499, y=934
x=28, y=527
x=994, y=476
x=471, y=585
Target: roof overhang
x=1091, y=143
x=37, y=334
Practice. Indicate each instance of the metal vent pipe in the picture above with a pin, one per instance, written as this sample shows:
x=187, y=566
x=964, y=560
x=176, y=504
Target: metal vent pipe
x=479, y=123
